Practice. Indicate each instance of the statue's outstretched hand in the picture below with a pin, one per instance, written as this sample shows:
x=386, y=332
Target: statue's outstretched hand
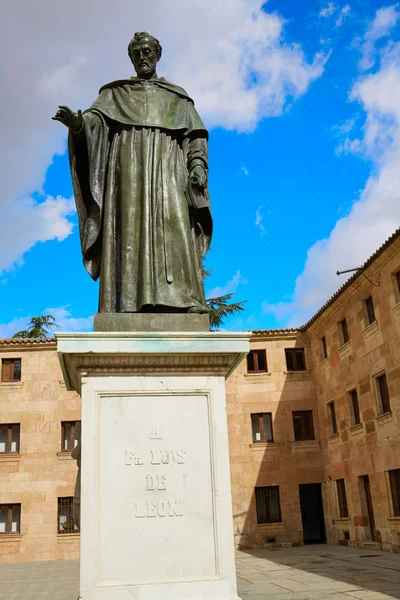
x=198, y=176
x=68, y=118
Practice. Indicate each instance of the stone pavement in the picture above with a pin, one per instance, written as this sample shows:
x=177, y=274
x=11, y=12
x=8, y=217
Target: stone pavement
x=318, y=572
x=313, y=572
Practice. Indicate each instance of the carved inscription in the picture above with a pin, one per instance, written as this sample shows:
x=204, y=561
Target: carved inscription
x=157, y=481
x=162, y=508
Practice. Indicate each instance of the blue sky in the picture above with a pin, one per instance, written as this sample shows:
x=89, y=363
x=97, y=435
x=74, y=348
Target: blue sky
x=302, y=100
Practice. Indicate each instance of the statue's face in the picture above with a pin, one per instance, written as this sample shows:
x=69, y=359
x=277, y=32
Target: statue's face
x=144, y=57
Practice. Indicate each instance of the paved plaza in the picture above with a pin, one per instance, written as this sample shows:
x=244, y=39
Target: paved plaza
x=313, y=572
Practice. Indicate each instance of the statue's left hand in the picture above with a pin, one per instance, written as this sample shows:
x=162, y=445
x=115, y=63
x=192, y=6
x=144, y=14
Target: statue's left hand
x=198, y=176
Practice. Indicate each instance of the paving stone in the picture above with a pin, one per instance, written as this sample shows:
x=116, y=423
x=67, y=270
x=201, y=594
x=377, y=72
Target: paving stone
x=310, y=573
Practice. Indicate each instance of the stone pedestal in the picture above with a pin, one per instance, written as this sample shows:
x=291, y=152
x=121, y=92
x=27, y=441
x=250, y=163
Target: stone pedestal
x=156, y=513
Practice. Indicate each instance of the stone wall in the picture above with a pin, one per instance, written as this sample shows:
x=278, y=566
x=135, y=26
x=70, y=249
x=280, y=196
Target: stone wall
x=283, y=462
x=41, y=472
x=373, y=447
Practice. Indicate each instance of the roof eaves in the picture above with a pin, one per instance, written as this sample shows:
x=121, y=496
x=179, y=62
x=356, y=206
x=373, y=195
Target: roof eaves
x=347, y=283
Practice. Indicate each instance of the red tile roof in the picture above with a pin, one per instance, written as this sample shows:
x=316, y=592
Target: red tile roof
x=27, y=341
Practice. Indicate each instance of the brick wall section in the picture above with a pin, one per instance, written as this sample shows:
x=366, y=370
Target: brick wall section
x=39, y=475
x=373, y=447
x=284, y=462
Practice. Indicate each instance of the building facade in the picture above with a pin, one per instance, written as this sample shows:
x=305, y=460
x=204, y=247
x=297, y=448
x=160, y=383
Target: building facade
x=314, y=429
x=315, y=443
x=37, y=473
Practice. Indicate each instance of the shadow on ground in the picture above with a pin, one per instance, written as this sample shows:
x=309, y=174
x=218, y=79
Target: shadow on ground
x=320, y=571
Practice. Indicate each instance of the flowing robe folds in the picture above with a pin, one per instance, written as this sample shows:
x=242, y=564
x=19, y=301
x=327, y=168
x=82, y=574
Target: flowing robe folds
x=143, y=229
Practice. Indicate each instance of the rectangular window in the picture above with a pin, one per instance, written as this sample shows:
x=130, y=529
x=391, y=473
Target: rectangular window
x=396, y=286
x=354, y=407
x=68, y=441
x=332, y=417
x=268, y=504
x=303, y=425
x=9, y=438
x=11, y=369
x=10, y=518
x=342, y=498
x=382, y=392
x=344, y=332
x=370, y=311
x=394, y=477
x=261, y=424
x=295, y=359
x=324, y=348
x=65, y=516
x=257, y=361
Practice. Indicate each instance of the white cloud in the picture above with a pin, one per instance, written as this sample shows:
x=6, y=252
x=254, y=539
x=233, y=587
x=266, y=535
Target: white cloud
x=27, y=222
x=259, y=220
x=235, y=63
x=244, y=170
x=229, y=287
x=66, y=322
x=376, y=213
x=349, y=146
x=328, y=10
x=385, y=20
x=342, y=15
x=7, y=330
x=62, y=316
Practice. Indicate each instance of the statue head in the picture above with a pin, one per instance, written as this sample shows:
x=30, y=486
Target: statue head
x=144, y=51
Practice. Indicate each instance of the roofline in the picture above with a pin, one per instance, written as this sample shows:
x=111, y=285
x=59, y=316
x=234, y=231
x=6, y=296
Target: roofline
x=9, y=344
x=351, y=280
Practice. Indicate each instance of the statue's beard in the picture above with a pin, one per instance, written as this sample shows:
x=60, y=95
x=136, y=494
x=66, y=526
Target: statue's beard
x=145, y=67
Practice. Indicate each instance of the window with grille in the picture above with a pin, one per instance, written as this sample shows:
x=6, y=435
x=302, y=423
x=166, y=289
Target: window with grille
x=295, y=359
x=65, y=516
x=344, y=332
x=369, y=310
x=9, y=438
x=332, y=417
x=11, y=369
x=10, y=518
x=342, y=498
x=394, y=478
x=355, y=407
x=268, y=504
x=303, y=425
x=257, y=361
x=382, y=392
x=68, y=441
x=324, y=348
x=261, y=425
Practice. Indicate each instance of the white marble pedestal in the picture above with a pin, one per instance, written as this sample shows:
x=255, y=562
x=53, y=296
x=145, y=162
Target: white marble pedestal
x=156, y=513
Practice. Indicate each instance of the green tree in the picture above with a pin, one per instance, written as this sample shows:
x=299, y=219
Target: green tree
x=220, y=309
x=39, y=327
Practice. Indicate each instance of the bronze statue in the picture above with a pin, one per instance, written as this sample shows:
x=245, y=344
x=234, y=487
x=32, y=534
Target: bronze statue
x=139, y=166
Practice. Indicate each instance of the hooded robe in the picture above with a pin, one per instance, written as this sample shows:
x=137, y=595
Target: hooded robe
x=144, y=229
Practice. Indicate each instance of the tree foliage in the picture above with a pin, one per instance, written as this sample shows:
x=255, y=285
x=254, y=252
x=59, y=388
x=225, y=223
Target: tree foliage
x=39, y=327
x=221, y=308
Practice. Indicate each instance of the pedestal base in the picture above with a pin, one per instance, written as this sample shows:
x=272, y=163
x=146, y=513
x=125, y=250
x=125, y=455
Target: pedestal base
x=156, y=521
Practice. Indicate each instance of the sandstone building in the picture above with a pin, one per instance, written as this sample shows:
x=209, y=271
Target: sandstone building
x=313, y=417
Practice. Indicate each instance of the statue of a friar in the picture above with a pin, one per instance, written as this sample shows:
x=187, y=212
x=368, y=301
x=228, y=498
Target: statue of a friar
x=139, y=166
